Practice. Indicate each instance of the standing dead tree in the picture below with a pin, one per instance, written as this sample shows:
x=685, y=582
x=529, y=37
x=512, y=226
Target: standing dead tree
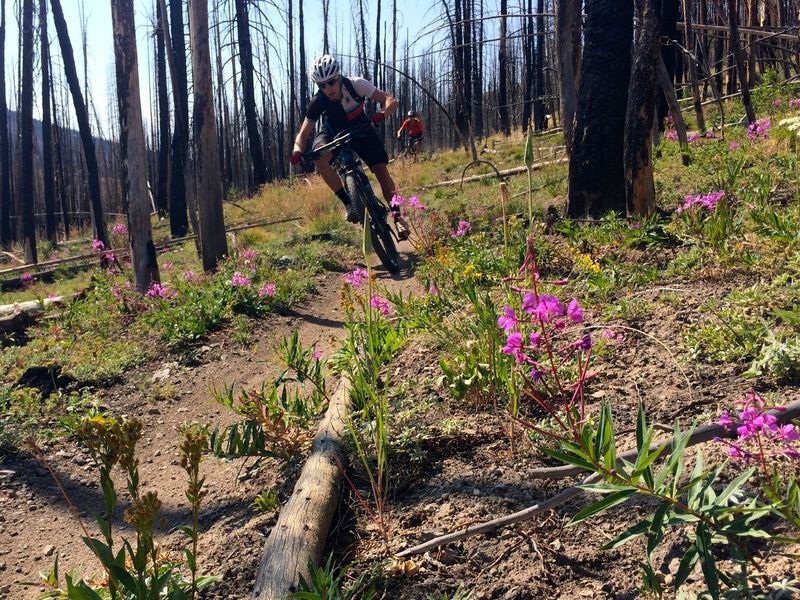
x=25, y=134
x=5, y=147
x=134, y=153
x=213, y=245
x=48, y=181
x=87, y=140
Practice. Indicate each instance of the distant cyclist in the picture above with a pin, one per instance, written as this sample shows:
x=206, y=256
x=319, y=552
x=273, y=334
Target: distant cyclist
x=415, y=128
x=340, y=103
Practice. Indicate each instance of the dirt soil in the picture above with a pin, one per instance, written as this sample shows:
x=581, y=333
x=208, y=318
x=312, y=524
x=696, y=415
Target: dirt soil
x=466, y=474
x=35, y=521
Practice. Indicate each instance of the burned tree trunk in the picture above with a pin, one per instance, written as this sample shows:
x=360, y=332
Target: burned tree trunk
x=539, y=118
x=566, y=13
x=596, y=169
x=162, y=185
x=47, y=129
x=738, y=57
x=502, y=66
x=178, y=222
x=303, y=70
x=529, y=57
x=690, y=45
x=134, y=153
x=5, y=147
x=98, y=219
x=25, y=130
x=209, y=184
x=640, y=191
x=259, y=167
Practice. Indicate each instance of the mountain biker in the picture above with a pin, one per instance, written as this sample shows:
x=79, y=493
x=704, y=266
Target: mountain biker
x=416, y=130
x=340, y=103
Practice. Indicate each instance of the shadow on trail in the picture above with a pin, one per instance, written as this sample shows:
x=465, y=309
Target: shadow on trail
x=87, y=499
x=313, y=318
x=408, y=263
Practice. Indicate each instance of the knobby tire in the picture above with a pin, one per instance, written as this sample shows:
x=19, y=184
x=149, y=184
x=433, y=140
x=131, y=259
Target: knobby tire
x=380, y=232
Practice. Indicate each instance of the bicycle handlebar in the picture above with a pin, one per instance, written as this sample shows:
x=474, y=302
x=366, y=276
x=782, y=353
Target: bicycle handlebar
x=341, y=139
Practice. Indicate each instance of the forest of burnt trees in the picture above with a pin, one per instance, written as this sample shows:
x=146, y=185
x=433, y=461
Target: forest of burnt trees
x=229, y=89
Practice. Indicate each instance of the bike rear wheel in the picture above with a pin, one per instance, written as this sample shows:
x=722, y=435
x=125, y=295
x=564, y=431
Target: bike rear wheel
x=362, y=196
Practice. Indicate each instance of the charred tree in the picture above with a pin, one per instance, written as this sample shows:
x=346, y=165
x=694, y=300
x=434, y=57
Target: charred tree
x=213, y=244
x=688, y=35
x=303, y=69
x=539, y=118
x=25, y=134
x=58, y=150
x=502, y=72
x=640, y=191
x=87, y=140
x=132, y=143
x=326, y=4
x=596, y=170
x=162, y=185
x=528, y=65
x=567, y=12
x=738, y=57
x=47, y=129
x=5, y=146
x=259, y=167
x=178, y=222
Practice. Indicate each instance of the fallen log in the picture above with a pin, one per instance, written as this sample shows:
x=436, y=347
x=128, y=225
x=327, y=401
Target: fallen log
x=700, y=435
x=303, y=524
x=514, y=171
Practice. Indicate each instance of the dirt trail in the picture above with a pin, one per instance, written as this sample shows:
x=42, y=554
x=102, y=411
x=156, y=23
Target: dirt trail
x=35, y=524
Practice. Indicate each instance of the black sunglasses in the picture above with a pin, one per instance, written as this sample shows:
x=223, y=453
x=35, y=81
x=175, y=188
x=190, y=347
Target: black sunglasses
x=329, y=83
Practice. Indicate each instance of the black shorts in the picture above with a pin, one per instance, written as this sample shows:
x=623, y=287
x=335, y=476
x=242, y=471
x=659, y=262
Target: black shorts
x=367, y=145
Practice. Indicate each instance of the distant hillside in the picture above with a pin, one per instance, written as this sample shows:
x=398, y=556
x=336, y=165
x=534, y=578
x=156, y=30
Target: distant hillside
x=71, y=138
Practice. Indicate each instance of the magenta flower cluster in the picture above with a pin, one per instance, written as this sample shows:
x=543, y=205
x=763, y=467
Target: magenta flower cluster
x=704, y=201
x=411, y=203
x=547, y=314
x=26, y=278
x=267, y=290
x=758, y=434
x=357, y=277
x=158, y=290
x=734, y=145
x=382, y=305
x=240, y=280
x=759, y=129
x=794, y=103
x=464, y=227
x=119, y=229
x=98, y=246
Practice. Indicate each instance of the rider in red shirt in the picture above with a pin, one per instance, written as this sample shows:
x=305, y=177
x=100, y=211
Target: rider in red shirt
x=416, y=130
x=339, y=104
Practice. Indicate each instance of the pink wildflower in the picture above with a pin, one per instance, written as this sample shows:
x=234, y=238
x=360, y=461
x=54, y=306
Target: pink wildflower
x=98, y=246
x=317, y=354
x=692, y=136
x=734, y=145
x=575, y=312
x=433, y=290
x=190, y=276
x=240, y=280
x=159, y=291
x=464, y=227
x=549, y=307
x=707, y=201
x=777, y=102
x=514, y=346
x=357, y=277
x=267, y=290
x=794, y=103
x=167, y=266
x=382, y=305
x=120, y=229
x=26, y=278
x=508, y=321
x=759, y=129
x=671, y=135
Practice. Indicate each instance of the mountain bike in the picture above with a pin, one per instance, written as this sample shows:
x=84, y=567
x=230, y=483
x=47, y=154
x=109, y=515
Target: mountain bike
x=358, y=187
x=409, y=148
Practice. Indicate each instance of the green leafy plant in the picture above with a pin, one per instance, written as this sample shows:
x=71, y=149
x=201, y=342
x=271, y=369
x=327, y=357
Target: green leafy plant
x=329, y=582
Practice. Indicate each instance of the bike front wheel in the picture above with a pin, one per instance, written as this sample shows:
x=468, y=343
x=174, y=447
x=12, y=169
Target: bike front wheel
x=362, y=196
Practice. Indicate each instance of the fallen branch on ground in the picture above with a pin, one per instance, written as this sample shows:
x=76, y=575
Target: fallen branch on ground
x=302, y=527
x=700, y=435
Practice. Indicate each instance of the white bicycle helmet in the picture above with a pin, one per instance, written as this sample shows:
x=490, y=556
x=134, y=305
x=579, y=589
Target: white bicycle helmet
x=324, y=68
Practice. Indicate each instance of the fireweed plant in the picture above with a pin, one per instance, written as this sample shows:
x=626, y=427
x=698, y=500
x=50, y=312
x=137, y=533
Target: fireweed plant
x=373, y=338
x=137, y=571
x=770, y=448
x=543, y=336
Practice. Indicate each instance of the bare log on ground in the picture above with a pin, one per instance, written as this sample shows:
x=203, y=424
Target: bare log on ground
x=700, y=435
x=16, y=318
x=514, y=171
x=303, y=524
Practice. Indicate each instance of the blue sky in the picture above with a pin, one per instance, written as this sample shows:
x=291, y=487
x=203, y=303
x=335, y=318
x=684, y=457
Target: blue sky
x=415, y=21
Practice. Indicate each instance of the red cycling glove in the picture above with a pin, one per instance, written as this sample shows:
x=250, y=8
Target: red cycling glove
x=295, y=157
x=378, y=117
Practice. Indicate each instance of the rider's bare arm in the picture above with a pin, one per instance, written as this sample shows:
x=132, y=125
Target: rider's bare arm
x=302, y=136
x=388, y=102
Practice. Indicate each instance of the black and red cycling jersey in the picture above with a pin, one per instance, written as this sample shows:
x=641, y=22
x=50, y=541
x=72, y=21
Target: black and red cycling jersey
x=343, y=113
